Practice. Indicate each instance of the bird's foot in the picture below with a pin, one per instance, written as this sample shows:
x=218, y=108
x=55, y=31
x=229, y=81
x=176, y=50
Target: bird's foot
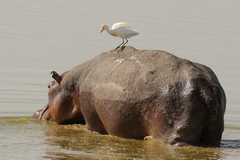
x=115, y=49
x=121, y=47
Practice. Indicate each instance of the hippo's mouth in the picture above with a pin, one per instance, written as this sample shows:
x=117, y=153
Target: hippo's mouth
x=39, y=114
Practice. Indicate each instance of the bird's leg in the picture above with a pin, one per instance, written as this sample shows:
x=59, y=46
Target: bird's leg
x=125, y=43
x=120, y=44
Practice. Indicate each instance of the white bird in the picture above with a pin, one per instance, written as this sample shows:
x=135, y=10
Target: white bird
x=120, y=29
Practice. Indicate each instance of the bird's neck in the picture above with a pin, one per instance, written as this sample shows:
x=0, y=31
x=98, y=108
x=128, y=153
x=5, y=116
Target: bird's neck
x=109, y=30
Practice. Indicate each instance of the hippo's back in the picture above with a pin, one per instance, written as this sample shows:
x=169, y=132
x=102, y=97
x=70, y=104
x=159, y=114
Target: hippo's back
x=135, y=75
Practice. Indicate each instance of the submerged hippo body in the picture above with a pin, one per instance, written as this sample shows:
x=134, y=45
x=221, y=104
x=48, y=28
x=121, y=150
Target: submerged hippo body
x=136, y=93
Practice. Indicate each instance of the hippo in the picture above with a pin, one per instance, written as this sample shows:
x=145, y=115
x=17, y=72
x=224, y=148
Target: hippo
x=134, y=93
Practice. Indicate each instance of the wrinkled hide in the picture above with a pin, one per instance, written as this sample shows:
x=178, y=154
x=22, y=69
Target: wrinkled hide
x=136, y=93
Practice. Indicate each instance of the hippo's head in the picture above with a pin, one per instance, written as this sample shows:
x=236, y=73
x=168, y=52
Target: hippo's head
x=63, y=106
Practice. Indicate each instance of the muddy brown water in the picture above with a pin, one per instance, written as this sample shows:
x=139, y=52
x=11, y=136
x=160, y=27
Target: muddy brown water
x=37, y=37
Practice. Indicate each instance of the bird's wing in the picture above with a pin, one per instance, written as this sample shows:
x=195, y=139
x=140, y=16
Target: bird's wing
x=126, y=32
x=121, y=24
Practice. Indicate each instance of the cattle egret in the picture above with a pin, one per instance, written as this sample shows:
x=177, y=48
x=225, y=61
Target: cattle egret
x=120, y=29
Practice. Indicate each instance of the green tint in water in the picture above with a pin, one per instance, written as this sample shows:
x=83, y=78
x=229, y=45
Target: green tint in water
x=26, y=138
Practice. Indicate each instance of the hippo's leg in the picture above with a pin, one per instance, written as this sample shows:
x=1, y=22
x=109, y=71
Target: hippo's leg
x=93, y=122
x=201, y=120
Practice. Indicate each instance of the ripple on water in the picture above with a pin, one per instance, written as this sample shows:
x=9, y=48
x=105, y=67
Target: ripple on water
x=23, y=138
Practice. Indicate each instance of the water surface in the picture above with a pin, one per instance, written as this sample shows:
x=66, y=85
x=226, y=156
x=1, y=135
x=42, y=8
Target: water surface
x=37, y=37
x=32, y=139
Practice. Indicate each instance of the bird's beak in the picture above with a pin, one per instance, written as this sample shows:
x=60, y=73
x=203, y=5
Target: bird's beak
x=101, y=31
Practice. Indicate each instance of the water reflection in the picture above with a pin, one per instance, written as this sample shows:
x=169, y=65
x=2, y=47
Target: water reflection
x=42, y=139
x=234, y=144
x=78, y=143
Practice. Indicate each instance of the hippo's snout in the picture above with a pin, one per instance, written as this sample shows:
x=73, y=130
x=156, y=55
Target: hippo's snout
x=39, y=113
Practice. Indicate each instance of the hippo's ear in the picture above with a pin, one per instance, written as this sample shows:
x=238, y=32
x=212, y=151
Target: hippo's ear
x=56, y=77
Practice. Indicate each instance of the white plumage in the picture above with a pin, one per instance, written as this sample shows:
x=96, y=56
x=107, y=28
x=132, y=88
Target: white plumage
x=120, y=29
